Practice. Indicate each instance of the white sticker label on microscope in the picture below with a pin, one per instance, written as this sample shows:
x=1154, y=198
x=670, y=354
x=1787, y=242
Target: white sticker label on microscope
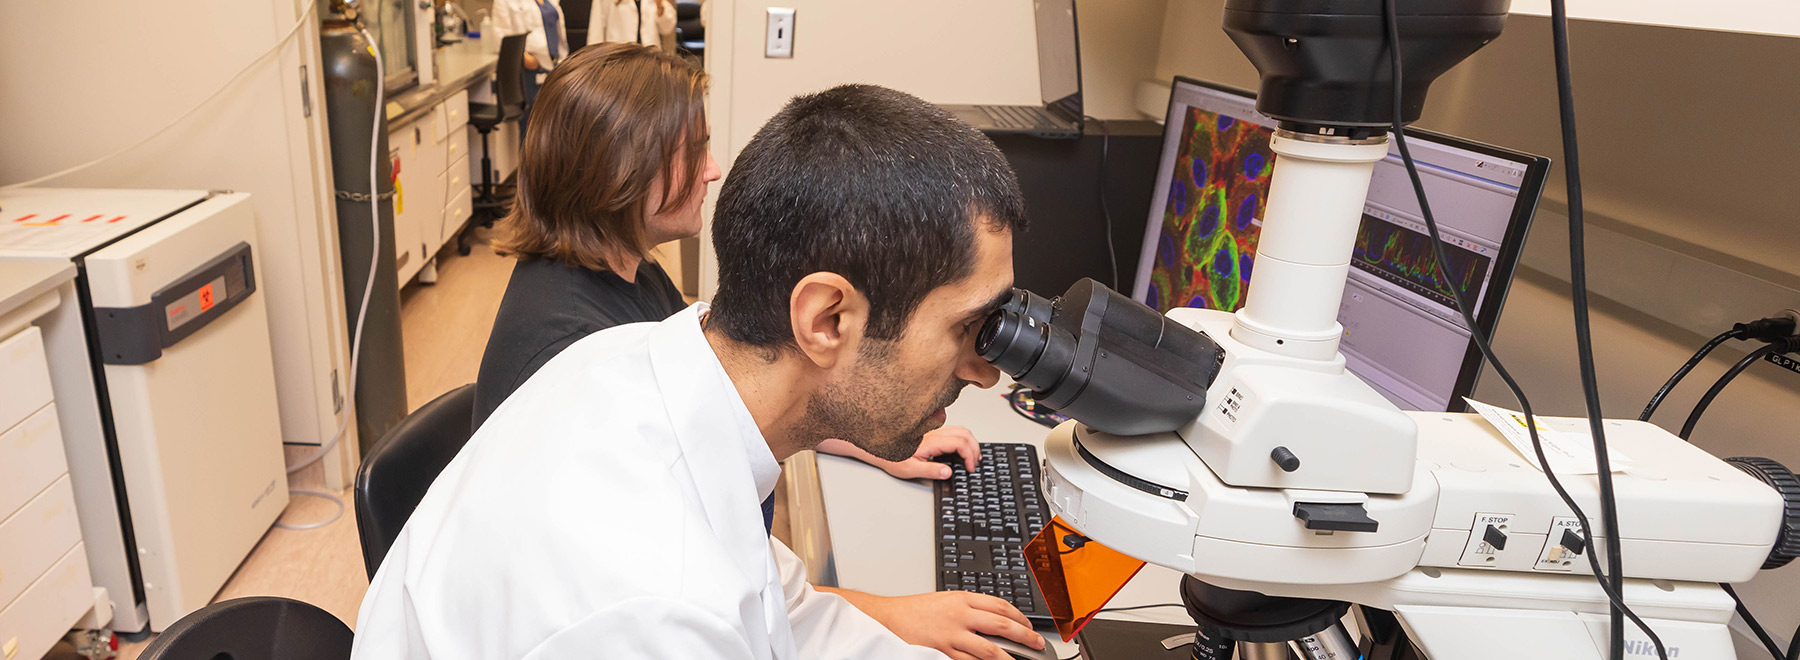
x=1233, y=407
x=1569, y=452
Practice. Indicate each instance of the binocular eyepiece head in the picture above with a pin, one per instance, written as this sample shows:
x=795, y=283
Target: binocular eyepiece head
x=1104, y=359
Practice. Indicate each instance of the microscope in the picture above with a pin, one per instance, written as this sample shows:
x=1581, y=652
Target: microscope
x=1236, y=448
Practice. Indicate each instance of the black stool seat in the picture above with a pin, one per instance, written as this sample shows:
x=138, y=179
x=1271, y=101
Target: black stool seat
x=258, y=628
x=485, y=116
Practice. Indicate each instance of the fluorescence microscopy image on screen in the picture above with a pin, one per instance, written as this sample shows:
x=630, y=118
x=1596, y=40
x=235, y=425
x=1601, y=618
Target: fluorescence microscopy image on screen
x=1213, y=214
x=1403, y=256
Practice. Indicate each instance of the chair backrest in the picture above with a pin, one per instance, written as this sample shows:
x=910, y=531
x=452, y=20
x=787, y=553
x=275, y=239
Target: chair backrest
x=258, y=628
x=509, y=73
x=400, y=468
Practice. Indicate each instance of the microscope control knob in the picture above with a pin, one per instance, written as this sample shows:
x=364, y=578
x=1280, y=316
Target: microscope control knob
x=1285, y=459
x=1783, y=480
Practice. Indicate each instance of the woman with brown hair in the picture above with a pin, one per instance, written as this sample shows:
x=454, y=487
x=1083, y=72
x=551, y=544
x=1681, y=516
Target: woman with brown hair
x=616, y=162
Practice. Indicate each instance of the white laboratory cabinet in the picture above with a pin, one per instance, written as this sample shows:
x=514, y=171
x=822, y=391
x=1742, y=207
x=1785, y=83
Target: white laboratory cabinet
x=433, y=197
x=45, y=585
x=177, y=406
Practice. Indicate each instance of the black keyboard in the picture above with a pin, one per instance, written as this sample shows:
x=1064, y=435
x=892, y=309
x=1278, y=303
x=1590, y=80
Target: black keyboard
x=985, y=519
x=1018, y=117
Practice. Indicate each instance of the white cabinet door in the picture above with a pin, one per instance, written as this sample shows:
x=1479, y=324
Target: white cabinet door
x=411, y=186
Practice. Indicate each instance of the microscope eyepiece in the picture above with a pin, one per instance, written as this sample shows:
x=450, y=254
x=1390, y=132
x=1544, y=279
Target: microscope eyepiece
x=1104, y=359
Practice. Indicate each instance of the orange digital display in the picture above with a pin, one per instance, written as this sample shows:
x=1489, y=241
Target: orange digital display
x=1076, y=575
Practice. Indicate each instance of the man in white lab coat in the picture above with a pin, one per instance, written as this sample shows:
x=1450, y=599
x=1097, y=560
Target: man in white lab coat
x=610, y=507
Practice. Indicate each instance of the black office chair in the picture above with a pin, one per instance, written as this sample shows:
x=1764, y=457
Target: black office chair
x=258, y=628
x=509, y=94
x=690, y=34
x=401, y=466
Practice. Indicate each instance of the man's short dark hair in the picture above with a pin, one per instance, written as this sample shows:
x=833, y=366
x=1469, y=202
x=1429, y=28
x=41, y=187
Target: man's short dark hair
x=872, y=184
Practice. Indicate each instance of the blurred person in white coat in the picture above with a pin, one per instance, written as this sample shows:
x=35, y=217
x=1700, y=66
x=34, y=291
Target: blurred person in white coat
x=546, y=41
x=611, y=506
x=648, y=22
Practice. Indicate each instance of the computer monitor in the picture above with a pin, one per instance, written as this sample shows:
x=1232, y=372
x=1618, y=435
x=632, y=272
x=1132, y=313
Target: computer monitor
x=1402, y=333
x=1059, y=56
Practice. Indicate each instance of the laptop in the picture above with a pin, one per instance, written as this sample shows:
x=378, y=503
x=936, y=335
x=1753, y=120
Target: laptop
x=1059, y=78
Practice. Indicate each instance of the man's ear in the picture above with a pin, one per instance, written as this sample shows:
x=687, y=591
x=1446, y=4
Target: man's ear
x=828, y=316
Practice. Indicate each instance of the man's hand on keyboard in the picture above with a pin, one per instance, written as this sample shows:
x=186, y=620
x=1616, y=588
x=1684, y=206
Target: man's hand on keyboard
x=936, y=452
x=947, y=443
x=950, y=621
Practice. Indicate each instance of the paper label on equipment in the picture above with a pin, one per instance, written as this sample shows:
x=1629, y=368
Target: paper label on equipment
x=1569, y=452
x=1234, y=406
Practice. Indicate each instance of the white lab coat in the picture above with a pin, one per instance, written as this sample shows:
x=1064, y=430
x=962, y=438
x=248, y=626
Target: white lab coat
x=523, y=17
x=634, y=21
x=610, y=509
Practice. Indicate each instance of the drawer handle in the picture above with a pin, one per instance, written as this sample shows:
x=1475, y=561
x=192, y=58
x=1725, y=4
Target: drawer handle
x=12, y=648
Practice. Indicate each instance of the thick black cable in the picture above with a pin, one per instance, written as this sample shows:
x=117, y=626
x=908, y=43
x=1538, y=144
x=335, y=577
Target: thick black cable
x=1761, y=634
x=1793, y=652
x=1584, y=339
x=1614, y=591
x=1681, y=373
x=1687, y=429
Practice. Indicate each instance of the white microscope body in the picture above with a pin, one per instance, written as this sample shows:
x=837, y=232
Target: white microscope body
x=1299, y=480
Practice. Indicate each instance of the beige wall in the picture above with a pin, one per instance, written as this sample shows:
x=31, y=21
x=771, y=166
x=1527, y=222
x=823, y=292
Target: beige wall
x=1691, y=180
x=1119, y=48
x=950, y=51
x=140, y=68
x=946, y=51
x=1781, y=17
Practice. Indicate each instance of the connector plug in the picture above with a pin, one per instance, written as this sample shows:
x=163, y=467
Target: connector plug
x=1770, y=329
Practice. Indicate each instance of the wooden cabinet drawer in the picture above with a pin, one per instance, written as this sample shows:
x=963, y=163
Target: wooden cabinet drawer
x=31, y=456
x=24, y=377
x=43, y=614
x=35, y=536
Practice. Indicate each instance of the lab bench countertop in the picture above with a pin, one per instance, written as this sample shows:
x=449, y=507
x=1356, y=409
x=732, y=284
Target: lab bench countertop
x=459, y=66
x=23, y=281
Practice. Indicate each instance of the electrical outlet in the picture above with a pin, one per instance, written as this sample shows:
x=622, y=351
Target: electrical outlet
x=1487, y=539
x=1563, y=546
x=781, y=33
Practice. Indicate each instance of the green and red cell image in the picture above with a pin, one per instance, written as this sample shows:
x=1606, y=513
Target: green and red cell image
x=1213, y=214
